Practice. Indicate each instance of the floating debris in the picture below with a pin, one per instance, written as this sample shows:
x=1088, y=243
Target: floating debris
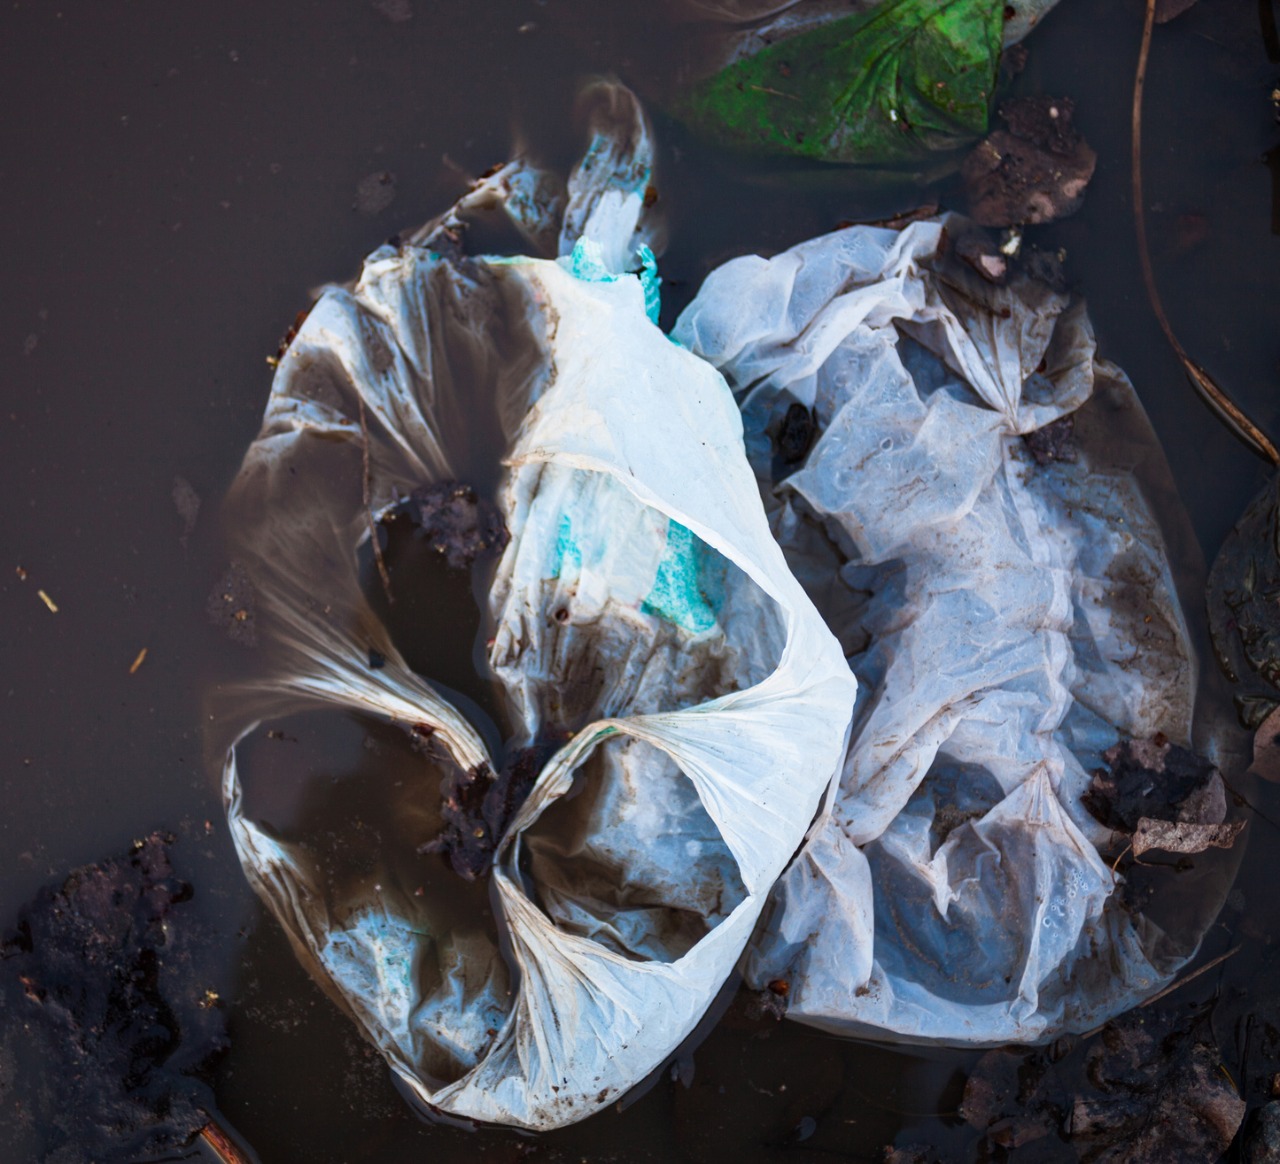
x=375, y=192
x=1034, y=171
x=457, y=523
x=102, y=989
x=231, y=606
x=1149, y=1088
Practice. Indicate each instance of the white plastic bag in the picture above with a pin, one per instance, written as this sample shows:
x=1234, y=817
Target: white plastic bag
x=1008, y=621
x=641, y=608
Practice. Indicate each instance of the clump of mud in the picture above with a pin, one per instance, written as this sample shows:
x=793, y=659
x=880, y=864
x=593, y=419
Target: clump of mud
x=457, y=523
x=108, y=1025
x=476, y=807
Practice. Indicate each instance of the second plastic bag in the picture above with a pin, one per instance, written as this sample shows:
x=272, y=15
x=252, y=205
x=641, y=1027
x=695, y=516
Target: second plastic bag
x=952, y=473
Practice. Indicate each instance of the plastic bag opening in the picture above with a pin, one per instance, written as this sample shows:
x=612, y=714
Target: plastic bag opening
x=350, y=800
x=647, y=875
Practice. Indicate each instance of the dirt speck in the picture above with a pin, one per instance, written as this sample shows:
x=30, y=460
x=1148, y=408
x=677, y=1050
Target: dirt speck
x=231, y=606
x=375, y=192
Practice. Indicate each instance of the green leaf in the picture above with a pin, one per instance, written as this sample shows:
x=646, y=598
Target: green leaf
x=877, y=88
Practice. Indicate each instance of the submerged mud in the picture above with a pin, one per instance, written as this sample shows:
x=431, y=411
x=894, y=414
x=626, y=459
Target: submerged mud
x=110, y=1029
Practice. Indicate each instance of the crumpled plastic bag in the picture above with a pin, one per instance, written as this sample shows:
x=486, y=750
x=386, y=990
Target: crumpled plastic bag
x=1003, y=594
x=642, y=617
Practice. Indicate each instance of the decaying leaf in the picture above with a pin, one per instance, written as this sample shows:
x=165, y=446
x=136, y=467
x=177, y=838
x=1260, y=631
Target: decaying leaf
x=1155, y=780
x=1010, y=1096
x=1149, y=1088
x=1156, y=795
x=1244, y=616
x=1266, y=748
x=1187, y=1109
x=1176, y=837
x=877, y=87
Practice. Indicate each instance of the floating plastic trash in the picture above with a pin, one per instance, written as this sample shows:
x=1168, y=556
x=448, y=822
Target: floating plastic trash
x=952, y=473
x=676, y=705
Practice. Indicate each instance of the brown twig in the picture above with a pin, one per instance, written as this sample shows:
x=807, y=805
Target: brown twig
x=217, y=1138
x=1253, y=808
x=1181, y=982
x=1218, y=401
x=368, y=505
x=773, y=92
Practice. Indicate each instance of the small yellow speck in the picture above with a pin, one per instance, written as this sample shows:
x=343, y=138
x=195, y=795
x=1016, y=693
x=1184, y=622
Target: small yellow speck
x=49, y=602
x=142, y=654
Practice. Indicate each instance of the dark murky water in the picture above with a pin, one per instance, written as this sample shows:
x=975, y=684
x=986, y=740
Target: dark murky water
x=178, y=176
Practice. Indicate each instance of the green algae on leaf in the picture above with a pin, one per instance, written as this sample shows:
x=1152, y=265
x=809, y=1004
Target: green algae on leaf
x=887, y=86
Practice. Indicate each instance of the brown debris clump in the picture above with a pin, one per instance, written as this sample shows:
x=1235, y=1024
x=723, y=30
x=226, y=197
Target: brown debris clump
x=458, y=523
x=1034, y=171
x=1162, y=797
x=476, y=808
x=106, y=998
x=1149, y=1088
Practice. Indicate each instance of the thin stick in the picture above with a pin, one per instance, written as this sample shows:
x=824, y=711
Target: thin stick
x=1217, y=400
x=368, y=506
x=221, y=1143
x=1253, y=808
x=773, y=92
x=1192, y=976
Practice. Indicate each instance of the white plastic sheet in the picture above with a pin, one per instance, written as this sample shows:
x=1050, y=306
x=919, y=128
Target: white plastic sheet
x=641, y=607
x=1007, y=620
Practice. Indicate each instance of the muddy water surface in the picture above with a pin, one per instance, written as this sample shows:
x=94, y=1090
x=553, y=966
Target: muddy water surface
x=177, y=177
